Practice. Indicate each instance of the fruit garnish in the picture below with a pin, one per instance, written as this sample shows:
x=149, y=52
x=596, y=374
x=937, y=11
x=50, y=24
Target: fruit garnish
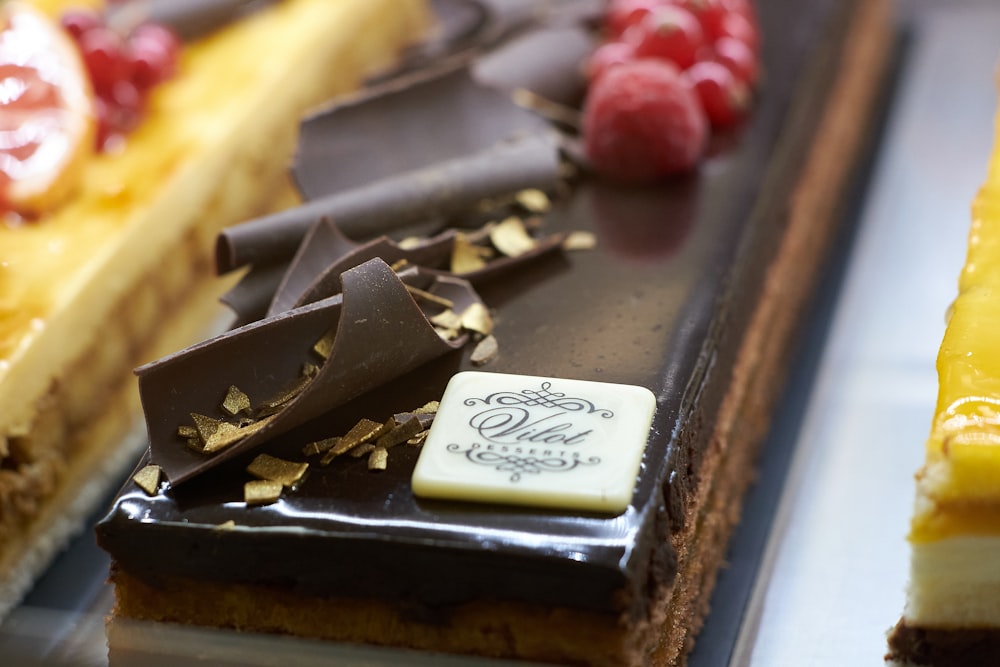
x=710, y=50
x=669, y=33
x=738, y=57
x=123, y=68
x=724, y=98
x=623, y=14
x=46, y=112
x=606, y=56
x=642, y=121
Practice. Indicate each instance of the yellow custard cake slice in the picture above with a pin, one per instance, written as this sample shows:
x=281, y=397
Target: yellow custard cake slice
x=107, y=280
x=952, y=614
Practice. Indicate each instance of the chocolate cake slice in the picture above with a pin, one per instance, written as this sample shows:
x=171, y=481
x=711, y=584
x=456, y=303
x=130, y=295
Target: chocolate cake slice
x=693, y=293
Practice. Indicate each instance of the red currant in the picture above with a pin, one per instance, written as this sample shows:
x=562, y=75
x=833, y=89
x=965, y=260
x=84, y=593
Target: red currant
x=606, y=56
x=670, y=33
x=724, y=98
x=78, y=21
x=153, y=59
x=102, y=53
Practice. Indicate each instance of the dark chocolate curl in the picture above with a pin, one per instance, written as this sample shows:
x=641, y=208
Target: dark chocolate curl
x=445, y=189
x=326, y=253
x=381, y=333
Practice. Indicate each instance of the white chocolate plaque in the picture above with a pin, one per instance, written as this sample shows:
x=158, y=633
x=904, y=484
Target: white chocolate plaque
x=546, y=442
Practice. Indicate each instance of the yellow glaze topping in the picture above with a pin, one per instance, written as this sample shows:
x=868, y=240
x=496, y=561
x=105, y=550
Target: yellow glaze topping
x=959, y=487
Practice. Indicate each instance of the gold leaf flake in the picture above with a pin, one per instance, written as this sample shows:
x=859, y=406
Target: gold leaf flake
x=229, y=434
x=378, y=459
x=485, y=351
x=277, y=403
x=226, y=525
x=447, y=334
x=148, y=479
x=187, y=432
x=235, y=402
x=205, y=426
x=261, y=492
x=360, y=433
x=400, y=433
x=465, y=257
x=399, y=264
x=310, y=371
x=580, y=240
x=320, y=446
x=447, y=319
x=424, y=295
x=428, y=408
x=418, y=439
x=362, y=450
x=411, y=242
x=511, y=238
x=288, y=473
x=477, y=318
x=534, y=200
x=324, y=346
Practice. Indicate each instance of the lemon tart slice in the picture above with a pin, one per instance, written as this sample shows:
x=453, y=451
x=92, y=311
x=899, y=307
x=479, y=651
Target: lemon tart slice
x=95, y=285
x=952, y=614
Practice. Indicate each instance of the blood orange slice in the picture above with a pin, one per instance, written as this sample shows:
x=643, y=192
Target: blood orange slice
x=46, y=112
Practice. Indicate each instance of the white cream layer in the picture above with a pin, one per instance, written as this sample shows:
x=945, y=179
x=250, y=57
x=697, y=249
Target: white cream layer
x=955, y=582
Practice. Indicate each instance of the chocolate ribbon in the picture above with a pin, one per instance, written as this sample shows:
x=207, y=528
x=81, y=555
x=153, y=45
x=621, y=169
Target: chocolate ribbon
x=381, y=333
x=444, y=189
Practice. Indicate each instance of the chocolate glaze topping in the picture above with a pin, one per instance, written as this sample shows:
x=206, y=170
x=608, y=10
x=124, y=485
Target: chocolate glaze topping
x=662, y=302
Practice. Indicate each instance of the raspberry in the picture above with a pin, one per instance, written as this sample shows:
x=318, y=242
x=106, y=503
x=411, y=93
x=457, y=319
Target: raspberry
x=642, y=122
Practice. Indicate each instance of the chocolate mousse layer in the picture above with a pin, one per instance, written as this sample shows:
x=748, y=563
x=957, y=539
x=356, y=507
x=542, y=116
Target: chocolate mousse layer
x=665, y=301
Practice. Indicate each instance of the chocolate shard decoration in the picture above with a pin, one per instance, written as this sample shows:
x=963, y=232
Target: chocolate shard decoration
x=327, y=250
x=373, y=133
x=462, y=27
x=325, y=253
x=370, y=349
x=563, y=49
x=445, y=188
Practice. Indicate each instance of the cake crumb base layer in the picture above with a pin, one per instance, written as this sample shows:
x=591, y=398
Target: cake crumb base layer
x=943, y=647
x=489, y=628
